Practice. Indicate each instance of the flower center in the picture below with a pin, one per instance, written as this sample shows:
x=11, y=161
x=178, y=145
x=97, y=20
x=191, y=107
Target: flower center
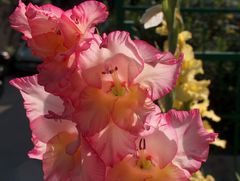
x=144, y=161
x=118, y=89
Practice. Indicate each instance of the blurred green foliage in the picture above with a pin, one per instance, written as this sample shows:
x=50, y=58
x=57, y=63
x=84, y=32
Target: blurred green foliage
x=218, y=33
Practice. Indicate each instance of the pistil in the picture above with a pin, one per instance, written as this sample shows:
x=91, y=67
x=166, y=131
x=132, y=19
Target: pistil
x=117, y=89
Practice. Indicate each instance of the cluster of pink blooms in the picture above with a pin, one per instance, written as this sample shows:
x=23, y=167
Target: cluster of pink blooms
x=91, y=107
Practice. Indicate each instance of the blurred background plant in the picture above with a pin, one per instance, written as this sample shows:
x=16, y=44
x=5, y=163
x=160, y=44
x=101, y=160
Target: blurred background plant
x=200, y=177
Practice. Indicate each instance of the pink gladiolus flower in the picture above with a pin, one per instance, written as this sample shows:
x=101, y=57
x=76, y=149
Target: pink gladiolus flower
x=121, y=78
x=57, y=141
x=91, y=107
x=50, y=31
x=171, y=149
x=56, y=36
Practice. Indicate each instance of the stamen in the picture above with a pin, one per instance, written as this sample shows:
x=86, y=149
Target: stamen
x=75, y=19
x=109, y=70
x=142, y=144
x=53, y=115
x=58, y=32
x=118, y=89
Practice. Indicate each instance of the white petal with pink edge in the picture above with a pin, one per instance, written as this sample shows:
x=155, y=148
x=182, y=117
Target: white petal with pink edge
x=92, y=167
x=19, y=22
x=117, y=51
x=43, y=109
x=84, y=164
x=38, y=150
x=160, y=143
x=113, y=143
x=148, y=52
x=42, y=19
x=193, y=139
x=159, y=79
x=44, y=129
x=88, y=14
x=37, y=101
x=119, y=42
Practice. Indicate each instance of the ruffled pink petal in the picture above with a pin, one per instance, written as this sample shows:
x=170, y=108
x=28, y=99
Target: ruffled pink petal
x=119, y=42
x=152, y=119
x=159, y=79
x=61, y=77
x=92, y=61
x=82, y=165
x=47, y=45
x=19, y=21
x=117, y=51
x=193, y=139
x=94, y=111
x=47, y=39
x=113, y=143
x=98, y=61
x=69, y=31
x=152, y=55
x=131, y=110
x=57, y=164
x=101, y=72
x=38, y=150
x=51, y=9
x=43, y=19
x=33, y=20
x=77, y=24
x=92, y=167
x=37, y=101
x=161, y=143
x=43, y=110
x=88, y=14
x=149, y=53
x=44, y=129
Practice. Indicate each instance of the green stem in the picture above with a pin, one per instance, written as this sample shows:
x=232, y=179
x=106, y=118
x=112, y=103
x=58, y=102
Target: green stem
x=170, y=7
x=170, y=10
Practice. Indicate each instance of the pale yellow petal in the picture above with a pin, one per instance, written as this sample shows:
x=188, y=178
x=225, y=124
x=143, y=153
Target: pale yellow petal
x=198, y=176
x=220, y=143
x=210, y=114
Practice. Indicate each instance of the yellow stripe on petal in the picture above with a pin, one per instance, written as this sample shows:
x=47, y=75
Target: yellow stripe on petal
x=57, y=163
x=129, y=170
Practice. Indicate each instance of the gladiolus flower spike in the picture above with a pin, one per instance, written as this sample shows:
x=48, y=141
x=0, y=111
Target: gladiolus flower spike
x=91, y=106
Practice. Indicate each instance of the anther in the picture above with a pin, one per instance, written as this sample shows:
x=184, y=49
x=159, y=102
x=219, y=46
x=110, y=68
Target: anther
x=58, y=32
x=76, y=20
x=116, y=68
x=142, y=144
